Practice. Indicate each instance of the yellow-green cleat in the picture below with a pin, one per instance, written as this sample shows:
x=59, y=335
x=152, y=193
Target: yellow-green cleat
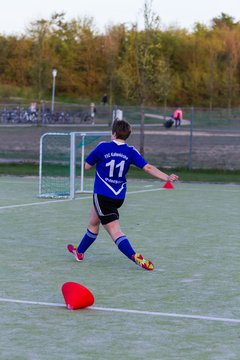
x=145, y=264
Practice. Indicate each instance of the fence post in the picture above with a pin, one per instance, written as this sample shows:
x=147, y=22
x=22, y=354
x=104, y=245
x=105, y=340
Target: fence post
x=190, y=140
x=142, y=130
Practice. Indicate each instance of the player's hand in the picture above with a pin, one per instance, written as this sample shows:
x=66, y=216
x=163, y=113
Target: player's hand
x=173, y=177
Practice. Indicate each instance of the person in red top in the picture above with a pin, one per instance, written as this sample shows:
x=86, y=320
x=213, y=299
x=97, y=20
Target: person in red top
x=178, y=116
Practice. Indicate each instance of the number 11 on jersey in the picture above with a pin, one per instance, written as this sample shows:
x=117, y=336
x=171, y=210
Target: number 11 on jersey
x=112, y=165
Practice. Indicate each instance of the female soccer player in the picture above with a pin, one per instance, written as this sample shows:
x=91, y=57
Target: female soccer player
x=112, y=160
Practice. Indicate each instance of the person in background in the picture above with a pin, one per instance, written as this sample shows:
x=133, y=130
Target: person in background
x=33, y=107
x=104, y=99
x=93, y=111
x=178, y=116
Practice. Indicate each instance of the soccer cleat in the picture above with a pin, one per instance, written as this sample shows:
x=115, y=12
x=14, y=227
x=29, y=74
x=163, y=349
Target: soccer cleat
x=73, y=250
x=145, y=264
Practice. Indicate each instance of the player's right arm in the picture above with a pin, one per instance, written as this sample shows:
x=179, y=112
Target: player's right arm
x=152, y=170
x=155, y=172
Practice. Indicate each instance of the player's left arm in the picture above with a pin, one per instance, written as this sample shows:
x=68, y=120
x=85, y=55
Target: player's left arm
x=88, y=166
x=155, y=172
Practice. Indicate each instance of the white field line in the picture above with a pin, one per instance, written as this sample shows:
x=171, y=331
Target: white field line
x=127, y=311
x=64, y=200
x=90, y=197
x=42, y=203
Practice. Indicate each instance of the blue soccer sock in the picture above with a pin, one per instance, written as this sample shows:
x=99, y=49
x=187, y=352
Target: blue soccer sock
x=86, y=241
x=124, y=246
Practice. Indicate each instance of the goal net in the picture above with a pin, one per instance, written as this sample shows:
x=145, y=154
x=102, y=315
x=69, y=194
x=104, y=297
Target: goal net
x=61, y=162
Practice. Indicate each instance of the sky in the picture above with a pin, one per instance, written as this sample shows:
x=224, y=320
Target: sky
x=16, y=15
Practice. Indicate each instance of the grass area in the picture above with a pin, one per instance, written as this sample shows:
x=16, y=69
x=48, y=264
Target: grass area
x=19, y=169
x=196, y=175
x=187, y=309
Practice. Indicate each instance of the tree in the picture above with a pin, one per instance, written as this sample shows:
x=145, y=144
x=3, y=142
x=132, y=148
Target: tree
x=39, y=34
x=224, y=21
x=113, y=50
x=230, y=62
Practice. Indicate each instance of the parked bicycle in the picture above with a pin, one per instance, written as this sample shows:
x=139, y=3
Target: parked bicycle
x=57, y=117
x=28, y=116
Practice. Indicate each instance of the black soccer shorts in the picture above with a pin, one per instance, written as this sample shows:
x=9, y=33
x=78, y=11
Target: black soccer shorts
x=107, y=208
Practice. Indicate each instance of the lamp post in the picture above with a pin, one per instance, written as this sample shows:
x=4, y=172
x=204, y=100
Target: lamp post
x=54, y=74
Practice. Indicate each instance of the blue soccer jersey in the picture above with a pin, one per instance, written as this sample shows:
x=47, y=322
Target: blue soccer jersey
x=112, y=160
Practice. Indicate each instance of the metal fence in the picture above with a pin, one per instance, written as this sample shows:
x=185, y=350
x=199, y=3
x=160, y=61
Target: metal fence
x=14, y=114
x=206, y=138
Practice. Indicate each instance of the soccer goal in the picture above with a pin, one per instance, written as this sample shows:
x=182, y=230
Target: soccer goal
x=61, y=162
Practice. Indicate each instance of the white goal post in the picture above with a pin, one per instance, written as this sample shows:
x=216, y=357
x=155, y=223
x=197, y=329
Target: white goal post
x=61, y=162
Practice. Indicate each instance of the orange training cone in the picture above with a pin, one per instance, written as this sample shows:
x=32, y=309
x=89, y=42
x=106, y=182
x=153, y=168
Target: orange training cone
x=168, y=185
x=76, y=296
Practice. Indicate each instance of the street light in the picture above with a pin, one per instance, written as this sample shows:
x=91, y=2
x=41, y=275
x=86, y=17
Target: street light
x=54, y=74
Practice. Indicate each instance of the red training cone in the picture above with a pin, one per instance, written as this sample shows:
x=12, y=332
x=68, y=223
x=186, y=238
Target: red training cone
x=76, y=296
x=168, y=185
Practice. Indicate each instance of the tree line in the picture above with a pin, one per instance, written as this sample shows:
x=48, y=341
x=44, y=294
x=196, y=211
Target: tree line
x=154, y=66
